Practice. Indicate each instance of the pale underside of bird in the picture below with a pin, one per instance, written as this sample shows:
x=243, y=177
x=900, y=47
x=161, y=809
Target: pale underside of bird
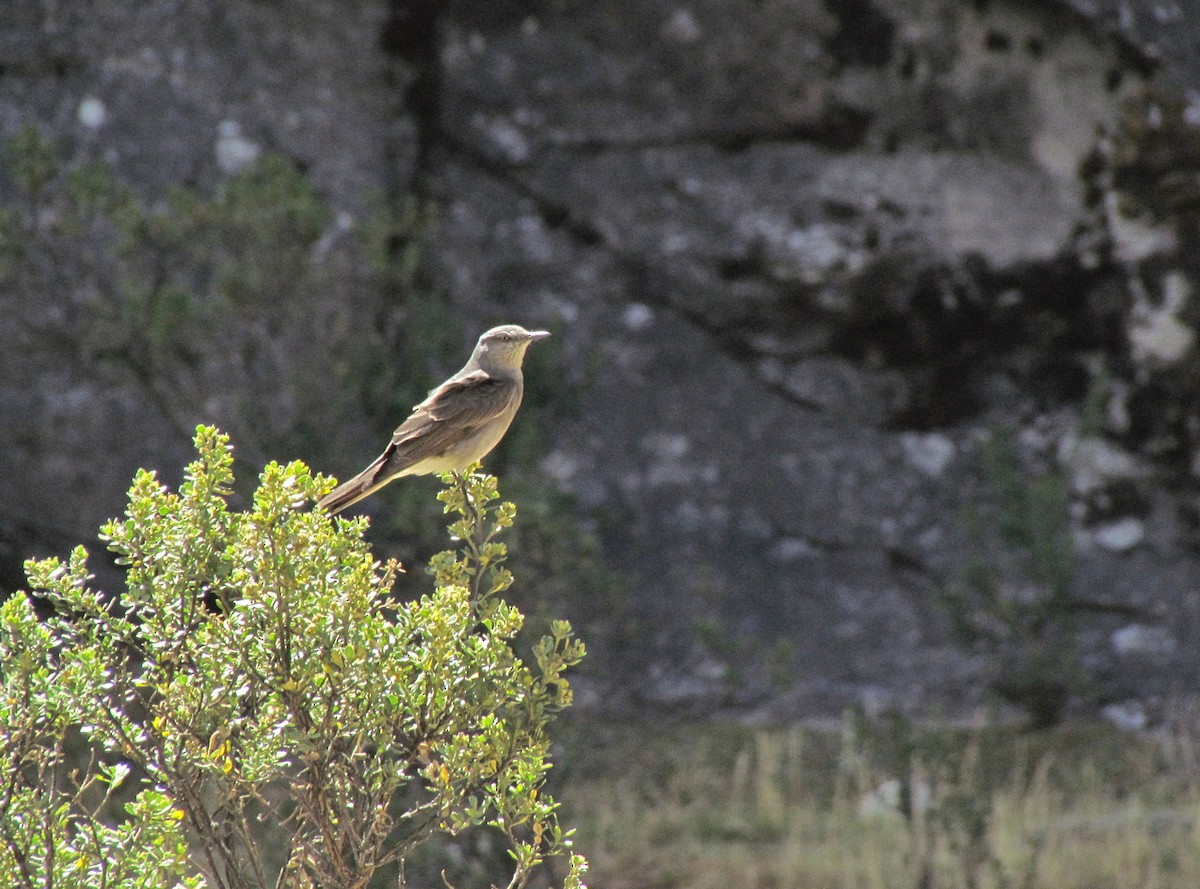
x=457, y=424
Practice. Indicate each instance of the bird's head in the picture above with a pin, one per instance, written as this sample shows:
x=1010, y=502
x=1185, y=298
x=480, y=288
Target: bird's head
x=505, y=346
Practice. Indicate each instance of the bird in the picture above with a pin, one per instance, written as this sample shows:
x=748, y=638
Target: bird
x=457, y=424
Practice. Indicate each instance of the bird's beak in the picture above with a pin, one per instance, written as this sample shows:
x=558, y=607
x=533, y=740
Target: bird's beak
x=538, y=335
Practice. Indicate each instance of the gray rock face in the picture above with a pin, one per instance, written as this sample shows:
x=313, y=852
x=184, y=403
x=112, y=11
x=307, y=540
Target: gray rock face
x=804, y=258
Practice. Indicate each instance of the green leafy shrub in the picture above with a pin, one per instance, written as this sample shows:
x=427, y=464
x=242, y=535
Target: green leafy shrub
x=257, y=710
x=1014, y=601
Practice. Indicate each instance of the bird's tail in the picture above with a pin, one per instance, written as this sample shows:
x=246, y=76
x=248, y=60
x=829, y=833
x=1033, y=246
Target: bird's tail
x=348, y=493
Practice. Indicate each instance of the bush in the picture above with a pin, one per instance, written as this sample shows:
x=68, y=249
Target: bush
x=1014, y=602
x=255, y=710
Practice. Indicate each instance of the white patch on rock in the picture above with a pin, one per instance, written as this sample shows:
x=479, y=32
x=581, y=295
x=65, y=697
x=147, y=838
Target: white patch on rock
x=690, y=517
x=791, y=549
x=1191, y=114
x=533, y=237
x=505, y=136
x=1144, y=640
x=809, y=255
x=666, y=445
x=1128, y=715
x=564, y=308
x=234, y=151
x=675, y=242
x=92, y=113
x=1093, y=463
x=1120, y=536
x=930, y=453
x=560, y=466
x=682, y=27
x=637, y=316
x=1156, y=335
x=668, y=465
x=343, y=223
x=1133, y=239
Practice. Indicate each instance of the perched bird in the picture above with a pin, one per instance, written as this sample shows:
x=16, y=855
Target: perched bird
x=458, y=423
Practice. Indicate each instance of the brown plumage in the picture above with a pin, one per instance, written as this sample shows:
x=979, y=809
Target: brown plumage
x=458, y=423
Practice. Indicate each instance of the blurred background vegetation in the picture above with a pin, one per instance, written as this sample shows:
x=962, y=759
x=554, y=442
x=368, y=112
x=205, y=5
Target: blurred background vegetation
x=882, y=803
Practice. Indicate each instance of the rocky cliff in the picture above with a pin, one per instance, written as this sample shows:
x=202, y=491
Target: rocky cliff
x=807, y=261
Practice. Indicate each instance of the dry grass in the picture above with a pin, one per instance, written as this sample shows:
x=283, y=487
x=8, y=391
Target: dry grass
x=717, y=806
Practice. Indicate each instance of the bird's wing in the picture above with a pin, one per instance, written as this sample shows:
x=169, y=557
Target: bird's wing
x=458, y=404
x=453, y=411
